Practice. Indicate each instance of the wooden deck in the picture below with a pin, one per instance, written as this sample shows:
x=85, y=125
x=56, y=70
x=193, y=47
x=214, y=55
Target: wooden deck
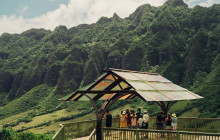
x=82, y=138
x=132, y=136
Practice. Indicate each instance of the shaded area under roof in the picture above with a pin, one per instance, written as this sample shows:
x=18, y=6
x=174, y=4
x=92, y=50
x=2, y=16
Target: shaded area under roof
x=148, y=86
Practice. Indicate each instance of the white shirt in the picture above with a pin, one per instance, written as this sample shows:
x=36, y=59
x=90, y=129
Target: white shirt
x=140, y=120
x=146, y=118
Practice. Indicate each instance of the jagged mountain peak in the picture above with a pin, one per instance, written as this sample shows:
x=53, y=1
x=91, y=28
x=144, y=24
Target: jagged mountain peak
x=116, y=18
x=115, y=15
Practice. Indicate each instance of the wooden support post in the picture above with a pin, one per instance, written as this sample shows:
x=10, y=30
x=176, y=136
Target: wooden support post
x=63, y=133
x=196, y=123
x=100, y=114
x=78, y=130
x=137, y=135
x=164, y=107
x=98, y=129
x=178, y=136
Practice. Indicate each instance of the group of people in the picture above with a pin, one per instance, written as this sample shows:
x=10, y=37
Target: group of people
x=166, y=122
x=132, y=119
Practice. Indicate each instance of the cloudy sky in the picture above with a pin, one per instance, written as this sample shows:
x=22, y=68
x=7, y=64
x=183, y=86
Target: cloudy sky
x=17, y=16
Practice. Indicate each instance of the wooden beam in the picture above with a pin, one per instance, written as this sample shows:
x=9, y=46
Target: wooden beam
x=97, y=82
x=111, y=86
x=92, y=86
x=121, y=70
x=106, y=91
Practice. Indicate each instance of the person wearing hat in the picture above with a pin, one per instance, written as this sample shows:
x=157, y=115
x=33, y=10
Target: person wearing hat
x=145, y=120
x=123, y=120
x=174, y=121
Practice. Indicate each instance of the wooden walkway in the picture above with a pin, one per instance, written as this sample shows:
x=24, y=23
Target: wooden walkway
x=82, y=138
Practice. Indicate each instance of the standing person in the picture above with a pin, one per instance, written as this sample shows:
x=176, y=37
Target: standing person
x=129, y=117
x=168, y=122
x=139, y=113
x=140, y=121
x=133, y=120
x=123, y=121
x=160, y=122
x=174, y=121
x=145, y=121
x=108, y=118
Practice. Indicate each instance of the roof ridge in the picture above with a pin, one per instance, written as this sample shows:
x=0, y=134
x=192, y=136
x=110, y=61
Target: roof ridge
x=122, y=70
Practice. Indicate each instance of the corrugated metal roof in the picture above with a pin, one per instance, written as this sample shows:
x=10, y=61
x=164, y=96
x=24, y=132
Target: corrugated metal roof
x=148, y=86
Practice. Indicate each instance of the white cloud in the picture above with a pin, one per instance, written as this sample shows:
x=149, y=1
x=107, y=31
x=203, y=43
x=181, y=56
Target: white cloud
x=13, y=24
x=190, y=1
x=208, y=3
x=76, y=12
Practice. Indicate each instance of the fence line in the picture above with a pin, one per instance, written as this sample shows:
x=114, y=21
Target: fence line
x=80, y=129
x=141, y=134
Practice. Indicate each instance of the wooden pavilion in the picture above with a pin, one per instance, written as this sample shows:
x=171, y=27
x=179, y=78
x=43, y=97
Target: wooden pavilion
x=117, y=84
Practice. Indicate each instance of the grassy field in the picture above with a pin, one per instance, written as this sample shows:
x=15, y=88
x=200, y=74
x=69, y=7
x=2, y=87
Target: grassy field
x=54, y=126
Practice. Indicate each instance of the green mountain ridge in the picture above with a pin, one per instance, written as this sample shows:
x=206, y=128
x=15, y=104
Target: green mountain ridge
x=180, y=43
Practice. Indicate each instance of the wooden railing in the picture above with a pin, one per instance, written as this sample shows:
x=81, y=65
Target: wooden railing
x=79, y=129
x=92, y=136
x=60, y=134
x=142, y=134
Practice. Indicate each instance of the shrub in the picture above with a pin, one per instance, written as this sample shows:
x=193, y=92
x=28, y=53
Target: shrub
x=32, y=136
x=12, y=124
x=5, y=135
x=10, y=134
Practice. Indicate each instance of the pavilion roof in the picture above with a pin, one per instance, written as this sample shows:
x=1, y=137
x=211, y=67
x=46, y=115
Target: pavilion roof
x=148, y=86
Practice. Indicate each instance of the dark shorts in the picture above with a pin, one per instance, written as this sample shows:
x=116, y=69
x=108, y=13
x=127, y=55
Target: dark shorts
x=145, y=125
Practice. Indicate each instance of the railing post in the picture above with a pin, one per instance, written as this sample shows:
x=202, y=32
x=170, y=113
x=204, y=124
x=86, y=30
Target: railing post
x=102, y=135
x=196, y=124
x=137, y=135
x=178, y=135
x=63, y=133
x=78, y=129
x=94, y=124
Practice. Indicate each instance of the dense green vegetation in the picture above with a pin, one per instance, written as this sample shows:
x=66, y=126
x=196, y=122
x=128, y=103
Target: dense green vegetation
x=10, y=134
x=39, y=66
